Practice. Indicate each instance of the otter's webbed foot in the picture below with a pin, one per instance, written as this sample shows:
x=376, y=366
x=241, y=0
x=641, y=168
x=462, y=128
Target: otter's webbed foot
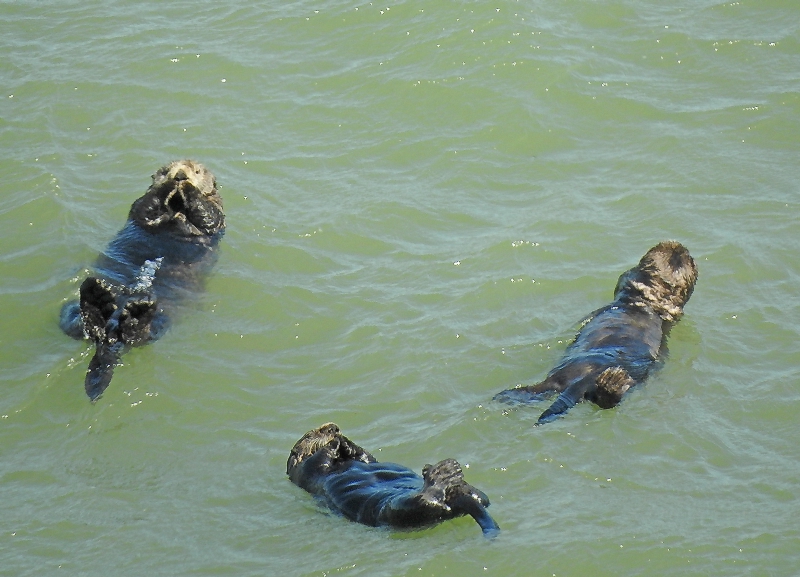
x=612, y=384
x=109, y=316
x=113, y=326
x=445, y=487
x=520, y=396
x=135, y=320
x=98, y=304
x=561, y=405
x=582, y=381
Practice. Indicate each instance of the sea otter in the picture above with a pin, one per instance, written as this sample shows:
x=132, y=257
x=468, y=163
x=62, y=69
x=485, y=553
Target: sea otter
x=351, y=481
x=619, y=344
x=161, y=255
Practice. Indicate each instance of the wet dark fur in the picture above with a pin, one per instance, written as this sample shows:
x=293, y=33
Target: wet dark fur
x=161, y=255
x=619, y=344
x=350, y=480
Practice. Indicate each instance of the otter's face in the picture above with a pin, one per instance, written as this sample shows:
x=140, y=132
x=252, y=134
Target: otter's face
x=312, y=442
x=182, y=199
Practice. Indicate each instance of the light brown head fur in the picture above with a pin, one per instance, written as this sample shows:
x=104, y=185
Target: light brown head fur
x=663, y=280
x=312, y=442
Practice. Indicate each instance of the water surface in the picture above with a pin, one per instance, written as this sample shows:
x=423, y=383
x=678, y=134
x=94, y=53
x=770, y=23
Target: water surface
x=423, y=200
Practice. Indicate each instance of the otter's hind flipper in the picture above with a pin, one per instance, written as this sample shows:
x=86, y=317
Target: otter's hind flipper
x=518, y=396
x=98, y=304
x=568, y=398
x=612, y=384
x=136, y=319
x=477, y=511
x=531, y=394
x=605, y=389
x=112, y=327
x=445, y=485
x=561, y=405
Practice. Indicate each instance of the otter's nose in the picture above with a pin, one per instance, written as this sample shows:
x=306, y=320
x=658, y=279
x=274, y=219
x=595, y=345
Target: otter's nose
x=181, y=175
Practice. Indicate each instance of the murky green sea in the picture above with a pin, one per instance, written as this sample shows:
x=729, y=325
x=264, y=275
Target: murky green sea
x=423, y=200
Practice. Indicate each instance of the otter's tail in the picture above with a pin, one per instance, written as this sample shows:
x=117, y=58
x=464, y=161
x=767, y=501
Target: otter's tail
x=101, y=368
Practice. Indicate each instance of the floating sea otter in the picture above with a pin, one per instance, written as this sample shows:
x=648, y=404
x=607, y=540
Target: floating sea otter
x=619, y=344
x=350, y=480
x=160, y=256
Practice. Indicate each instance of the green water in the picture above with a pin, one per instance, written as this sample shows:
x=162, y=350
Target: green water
x=423, y=200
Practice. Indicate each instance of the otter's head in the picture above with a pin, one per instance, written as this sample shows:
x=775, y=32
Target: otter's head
x=663, y=280
x=312, y=442
x=183, y=200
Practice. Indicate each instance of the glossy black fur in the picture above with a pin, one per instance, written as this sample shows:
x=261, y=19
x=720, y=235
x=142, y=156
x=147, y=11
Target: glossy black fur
x=160, y=256
x=619, y=344
x=351, y=481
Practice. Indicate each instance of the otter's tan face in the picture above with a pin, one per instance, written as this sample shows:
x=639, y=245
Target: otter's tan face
x=184, y=177
x=181, y=182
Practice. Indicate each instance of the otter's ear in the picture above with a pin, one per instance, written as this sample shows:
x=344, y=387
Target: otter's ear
x=159, y=174
x=98, y=304
x=624, y=280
